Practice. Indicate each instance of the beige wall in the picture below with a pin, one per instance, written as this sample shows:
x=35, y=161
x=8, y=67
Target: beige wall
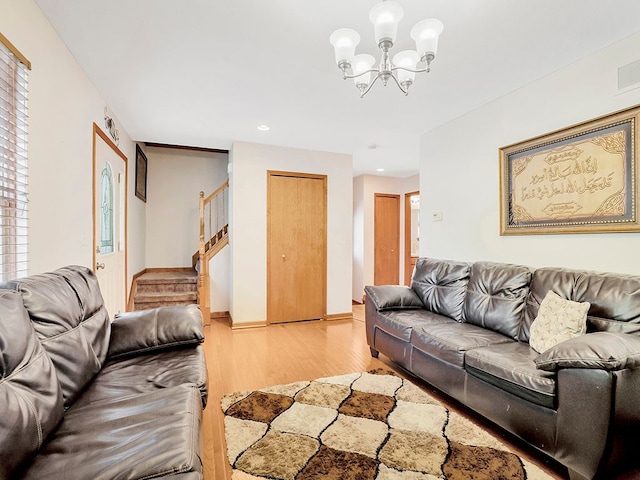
x=175, y=179
x=248, y=180
x=460, y=170
x=364, y=189
x=220, y=280
x=63, y=105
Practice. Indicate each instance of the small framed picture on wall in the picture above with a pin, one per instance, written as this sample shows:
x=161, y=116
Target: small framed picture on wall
x=141, y=174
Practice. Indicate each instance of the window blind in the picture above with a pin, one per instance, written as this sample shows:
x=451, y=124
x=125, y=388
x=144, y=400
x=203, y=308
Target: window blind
x=13, y=162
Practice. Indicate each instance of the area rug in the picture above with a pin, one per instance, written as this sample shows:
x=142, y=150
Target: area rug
x=374, y=425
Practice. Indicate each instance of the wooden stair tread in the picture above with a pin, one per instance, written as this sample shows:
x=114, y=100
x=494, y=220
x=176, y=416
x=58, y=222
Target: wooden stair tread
x=166, y=296
x=153, y=278
x=148, y=305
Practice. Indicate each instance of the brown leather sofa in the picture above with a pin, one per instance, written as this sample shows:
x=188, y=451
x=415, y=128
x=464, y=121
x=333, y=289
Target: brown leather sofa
x=464, y=328
x=86, y=398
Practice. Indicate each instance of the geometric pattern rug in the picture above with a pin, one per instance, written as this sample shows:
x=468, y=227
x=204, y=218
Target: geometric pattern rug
x=361, y=426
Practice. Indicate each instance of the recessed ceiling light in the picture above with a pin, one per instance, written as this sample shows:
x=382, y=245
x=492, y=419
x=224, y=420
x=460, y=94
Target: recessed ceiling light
x=264, y=128
x=379, y=169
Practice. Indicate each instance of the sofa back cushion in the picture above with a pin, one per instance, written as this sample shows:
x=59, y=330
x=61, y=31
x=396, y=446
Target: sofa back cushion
x=496, y=297
x=70, y=319
x=614, y=298
x=441, y=285
x=595, y=324
x=31, y=395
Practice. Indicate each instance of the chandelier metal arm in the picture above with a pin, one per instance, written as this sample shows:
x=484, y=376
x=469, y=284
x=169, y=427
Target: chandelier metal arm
x=364, y=91
x=427, y=69
x=345, y=75
x=402, y=89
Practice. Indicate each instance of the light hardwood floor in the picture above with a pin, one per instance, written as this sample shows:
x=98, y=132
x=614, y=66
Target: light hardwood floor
x=284, y=353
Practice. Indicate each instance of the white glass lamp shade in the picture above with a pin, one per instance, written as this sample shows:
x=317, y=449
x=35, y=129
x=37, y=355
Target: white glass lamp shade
x=385, y=17
x=362, y=63
x=425, y=34
x=406, y=59
x=344, y=42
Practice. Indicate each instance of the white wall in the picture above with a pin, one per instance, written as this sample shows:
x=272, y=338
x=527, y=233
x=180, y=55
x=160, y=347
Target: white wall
x=357, y=281
x=248, y=227
x=460, y=170
x=175, y=179
x=63, y=105
x=364, y=189
x=220, y=280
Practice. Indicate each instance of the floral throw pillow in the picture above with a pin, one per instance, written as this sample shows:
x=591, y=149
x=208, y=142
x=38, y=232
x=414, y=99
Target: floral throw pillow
x=558, y=320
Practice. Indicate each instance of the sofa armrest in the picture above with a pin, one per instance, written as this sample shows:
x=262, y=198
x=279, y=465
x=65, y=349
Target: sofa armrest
x=145, y=331
x=392, y=297
x=599, y=350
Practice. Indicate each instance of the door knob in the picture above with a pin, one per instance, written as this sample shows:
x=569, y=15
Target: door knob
x=99, y=266
x=284, y=256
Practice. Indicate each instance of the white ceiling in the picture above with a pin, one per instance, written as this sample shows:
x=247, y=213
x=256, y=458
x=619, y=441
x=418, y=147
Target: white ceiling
x=208, y=72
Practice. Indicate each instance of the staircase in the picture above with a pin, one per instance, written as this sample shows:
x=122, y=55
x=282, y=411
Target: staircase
x=165, y=287
x=161, y=287
x=214, y=236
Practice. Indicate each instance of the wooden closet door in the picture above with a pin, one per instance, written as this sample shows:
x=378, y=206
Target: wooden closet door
x=386, y=257
x=296, y=247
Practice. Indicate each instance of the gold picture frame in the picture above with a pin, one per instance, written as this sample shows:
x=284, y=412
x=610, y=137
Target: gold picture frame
x=581, y=179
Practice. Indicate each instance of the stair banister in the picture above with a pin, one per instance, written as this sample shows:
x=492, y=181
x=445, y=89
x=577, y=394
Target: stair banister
x=203, y=268
x=217, y=237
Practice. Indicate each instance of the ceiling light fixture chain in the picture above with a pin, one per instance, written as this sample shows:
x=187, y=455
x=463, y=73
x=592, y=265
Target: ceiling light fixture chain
x=385, y=17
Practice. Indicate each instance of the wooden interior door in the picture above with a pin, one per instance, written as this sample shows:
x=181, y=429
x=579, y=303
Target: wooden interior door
x=386, y=239
x=296, y=246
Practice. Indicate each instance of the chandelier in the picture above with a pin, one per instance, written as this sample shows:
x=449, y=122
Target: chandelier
x=404, y=66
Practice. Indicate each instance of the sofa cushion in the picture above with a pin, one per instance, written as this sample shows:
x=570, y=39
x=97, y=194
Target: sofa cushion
x=139, y=436
x=558, y=320
x=400, y=323
x=450, y=341
x=601, y=350
x=145, y=373
x=441, y=285
x=496, y=296
x=511, y=367
x=68, y=314
x=145, y=331
x=393, y=297
x=596, y=324
x=612, y=296
x=30, y=394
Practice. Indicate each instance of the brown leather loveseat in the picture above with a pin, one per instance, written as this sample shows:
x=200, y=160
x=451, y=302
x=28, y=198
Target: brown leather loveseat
x=86, y=398
x=465, y=328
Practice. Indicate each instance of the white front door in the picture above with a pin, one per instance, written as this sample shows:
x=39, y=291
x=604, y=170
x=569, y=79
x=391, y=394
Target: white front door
x=109, y=214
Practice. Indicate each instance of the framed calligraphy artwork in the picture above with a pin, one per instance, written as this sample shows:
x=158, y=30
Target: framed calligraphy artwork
x=582, y=179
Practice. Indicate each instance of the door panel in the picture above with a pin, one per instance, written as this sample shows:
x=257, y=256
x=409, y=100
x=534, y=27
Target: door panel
x=296, y=257
x=386, y=239
x=109, y=225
